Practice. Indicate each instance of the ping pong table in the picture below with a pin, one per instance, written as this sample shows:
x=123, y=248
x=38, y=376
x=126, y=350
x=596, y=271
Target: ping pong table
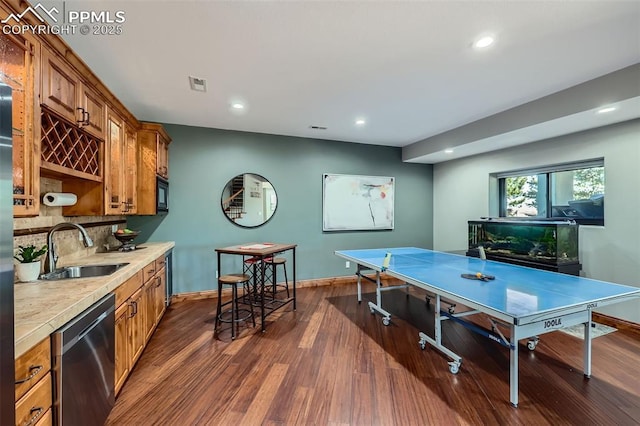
x=527, y=302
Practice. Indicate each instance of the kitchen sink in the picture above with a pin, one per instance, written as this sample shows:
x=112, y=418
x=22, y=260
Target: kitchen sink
x=82, y=271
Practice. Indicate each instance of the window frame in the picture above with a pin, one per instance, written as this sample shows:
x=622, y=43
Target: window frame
x=547, y=171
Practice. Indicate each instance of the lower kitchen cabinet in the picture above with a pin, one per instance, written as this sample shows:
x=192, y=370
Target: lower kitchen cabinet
x=139, y=308
x=129, y=335
x=154, y=290
x=33, y=387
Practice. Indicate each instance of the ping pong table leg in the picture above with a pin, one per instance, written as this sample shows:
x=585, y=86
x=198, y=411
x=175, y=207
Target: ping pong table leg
x=359, y=284
x=587, y=347
x=454, y=366
x=513, y=366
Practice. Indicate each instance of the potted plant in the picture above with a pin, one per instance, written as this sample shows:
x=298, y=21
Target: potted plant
x=29, y=257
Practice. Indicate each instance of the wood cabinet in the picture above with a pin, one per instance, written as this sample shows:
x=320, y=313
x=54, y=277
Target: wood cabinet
x=139, y=308
x=154, y=289
x=33, y=389
x=63, y=92
x=120, y=166
x=129, y=333
x=18, y=67
x=162, y=168
x=121, y=346
x=153, y=161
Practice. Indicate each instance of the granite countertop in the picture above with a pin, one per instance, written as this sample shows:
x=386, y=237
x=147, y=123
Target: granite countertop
x=41, y=307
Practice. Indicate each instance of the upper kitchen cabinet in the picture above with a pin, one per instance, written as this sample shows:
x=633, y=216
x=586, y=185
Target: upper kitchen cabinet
x=153, y=164
x=18, y=68
x=120, y=166
x=163, y=154
x=157, y=141
x=65, y=94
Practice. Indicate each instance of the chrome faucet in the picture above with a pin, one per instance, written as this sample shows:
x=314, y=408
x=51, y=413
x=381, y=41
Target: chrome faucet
x=52, y=257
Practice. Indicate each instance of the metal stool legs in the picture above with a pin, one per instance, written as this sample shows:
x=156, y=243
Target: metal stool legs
x=274, y=262
x=236, y=313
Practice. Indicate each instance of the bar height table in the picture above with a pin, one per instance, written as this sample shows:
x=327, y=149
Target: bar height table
x=262, y=251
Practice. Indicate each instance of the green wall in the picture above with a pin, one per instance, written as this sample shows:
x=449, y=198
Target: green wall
x=202, y=160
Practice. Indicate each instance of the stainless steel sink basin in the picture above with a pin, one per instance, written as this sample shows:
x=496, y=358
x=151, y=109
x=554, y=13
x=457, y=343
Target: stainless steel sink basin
x=82, y=271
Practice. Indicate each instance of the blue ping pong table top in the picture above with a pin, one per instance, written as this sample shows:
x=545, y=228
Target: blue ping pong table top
x=517, y=291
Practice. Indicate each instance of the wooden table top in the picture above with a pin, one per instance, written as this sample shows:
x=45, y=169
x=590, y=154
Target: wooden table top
x=256, y=249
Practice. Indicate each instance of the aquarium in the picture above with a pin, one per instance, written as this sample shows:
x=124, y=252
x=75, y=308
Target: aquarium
x=550, y=245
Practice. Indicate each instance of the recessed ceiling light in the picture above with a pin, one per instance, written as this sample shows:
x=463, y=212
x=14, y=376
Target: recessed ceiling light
x=237, y=105
x=448, y=151
x=361, y=122
x=606, y=109
x=484, y=42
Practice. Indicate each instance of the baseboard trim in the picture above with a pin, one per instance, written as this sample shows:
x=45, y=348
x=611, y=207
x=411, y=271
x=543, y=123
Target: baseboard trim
x=620, y=324
x=213, y=294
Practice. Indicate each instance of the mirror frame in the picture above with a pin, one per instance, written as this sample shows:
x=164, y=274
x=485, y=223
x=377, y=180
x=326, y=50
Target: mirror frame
x=222, y=200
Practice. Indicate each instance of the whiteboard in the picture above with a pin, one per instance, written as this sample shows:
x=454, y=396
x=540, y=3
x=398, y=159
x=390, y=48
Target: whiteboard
x=357, y=203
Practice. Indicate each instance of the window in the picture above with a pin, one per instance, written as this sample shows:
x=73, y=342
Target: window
x=570, y=191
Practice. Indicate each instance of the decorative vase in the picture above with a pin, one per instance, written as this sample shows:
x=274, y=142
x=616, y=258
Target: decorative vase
x=28, y=272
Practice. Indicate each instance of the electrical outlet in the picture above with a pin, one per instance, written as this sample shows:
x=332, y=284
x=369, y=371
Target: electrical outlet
x=347, y=264
x=114, y=228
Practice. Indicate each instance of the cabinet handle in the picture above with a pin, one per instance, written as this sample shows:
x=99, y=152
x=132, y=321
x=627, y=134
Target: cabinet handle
x=134, y=305
x=33, y=372
x=35, y=412
x=152, y=271
x=81, y=121
x=88, y=119
x=159, y=279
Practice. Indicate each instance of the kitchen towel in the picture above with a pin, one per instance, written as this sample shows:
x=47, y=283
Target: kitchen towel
x=59, y=199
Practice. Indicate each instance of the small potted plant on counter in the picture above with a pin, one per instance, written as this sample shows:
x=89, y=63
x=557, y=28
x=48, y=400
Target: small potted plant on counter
x=29, y=267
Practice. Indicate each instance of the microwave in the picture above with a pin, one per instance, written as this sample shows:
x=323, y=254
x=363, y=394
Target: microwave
x=162, y=195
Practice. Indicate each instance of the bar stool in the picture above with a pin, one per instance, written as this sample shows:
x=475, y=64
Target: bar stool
x=274, y=262
x=236, y=314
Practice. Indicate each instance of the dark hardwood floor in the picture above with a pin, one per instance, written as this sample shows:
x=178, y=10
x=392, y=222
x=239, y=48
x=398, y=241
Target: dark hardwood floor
x=332, y=362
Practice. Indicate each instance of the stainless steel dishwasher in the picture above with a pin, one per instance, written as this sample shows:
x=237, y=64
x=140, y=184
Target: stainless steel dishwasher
x=83, y=366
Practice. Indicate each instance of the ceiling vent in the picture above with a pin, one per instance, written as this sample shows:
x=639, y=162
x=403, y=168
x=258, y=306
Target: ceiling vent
x=318, y=127
x=198, y=84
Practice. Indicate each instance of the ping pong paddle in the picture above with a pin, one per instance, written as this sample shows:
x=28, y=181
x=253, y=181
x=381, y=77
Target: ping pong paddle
x=478, y=276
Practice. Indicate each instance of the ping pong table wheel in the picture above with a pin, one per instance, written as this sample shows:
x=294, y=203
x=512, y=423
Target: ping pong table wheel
x=423, y=344
x=531, y=344
x=386, y=320
x=452, y=309
x=454, y=367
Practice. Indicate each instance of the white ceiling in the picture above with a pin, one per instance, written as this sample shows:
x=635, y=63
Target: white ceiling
x=407, y=67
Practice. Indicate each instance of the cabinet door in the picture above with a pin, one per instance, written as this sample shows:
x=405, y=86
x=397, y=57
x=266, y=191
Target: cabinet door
x=121, y=346
x=17, y=69
x=136, y=326
x=160, y=294
x=92, y=112
x=150, y=306
x=60, y=87
x=130, y=170
x=113, y=164
x=163, y=157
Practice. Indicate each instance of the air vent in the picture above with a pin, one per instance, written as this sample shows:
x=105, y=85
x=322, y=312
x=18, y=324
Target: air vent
x=198, y=84
x=318, y=127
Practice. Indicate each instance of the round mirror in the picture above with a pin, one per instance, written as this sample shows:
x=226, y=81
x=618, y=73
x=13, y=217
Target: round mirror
x=249, y=200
